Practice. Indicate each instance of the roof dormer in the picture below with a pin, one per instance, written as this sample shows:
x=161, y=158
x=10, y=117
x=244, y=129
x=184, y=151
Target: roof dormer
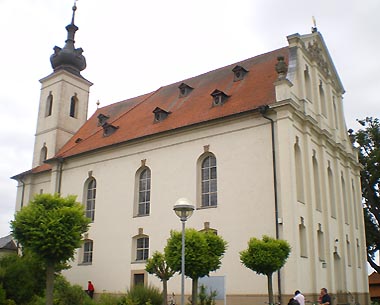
x=102, y=119
x=219, y=97
x=160, y=114
x=239, y=73
x=184, y=90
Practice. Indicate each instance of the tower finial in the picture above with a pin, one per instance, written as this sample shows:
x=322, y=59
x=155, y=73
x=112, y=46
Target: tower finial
x=74, y=9
x=69, y=58
x=314, y=27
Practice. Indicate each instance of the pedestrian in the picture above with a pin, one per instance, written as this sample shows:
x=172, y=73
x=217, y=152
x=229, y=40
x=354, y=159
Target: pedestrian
x=90, y=289
x=299, y=297
x=326, y=300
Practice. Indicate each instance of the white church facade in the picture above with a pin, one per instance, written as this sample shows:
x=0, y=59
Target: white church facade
x=260, y=147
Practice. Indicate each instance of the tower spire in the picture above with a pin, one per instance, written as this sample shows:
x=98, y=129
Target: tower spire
x=68, y=58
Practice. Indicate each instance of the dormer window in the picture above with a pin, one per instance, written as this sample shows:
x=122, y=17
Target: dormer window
x=160, y=114
x=108, y=129
x=239, y=73
x=219, y=97
x=102, y=119
x=184, y=90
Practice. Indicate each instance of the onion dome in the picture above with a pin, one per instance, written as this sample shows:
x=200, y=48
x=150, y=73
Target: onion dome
x=68, y=58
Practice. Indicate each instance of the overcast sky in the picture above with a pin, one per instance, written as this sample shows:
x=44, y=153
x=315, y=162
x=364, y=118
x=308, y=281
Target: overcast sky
x=134, y=47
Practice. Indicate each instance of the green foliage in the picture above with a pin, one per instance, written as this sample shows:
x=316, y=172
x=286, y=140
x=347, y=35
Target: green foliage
x=204, y=297
x=109, y=299
x=203, y=252
x=157, y=265
x=3, y=296
x=51, y=227
x=265, y=256
x=368, y=142
x=22, y=277
x=143, y=295
x=67, y=294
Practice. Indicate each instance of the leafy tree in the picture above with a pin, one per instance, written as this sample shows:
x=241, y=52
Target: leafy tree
x=203, y=254
x=265, y=257
x=368, y=142
x=21, y=277
x=157, y=265
x=51, y=227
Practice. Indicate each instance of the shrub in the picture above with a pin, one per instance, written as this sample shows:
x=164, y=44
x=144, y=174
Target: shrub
x=143, y=295
x=204, y=298
x=67, y=294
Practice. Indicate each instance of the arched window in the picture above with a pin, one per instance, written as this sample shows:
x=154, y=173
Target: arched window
x=43, y=154
x=307, y=84
x=321, y=243
x=49, y=105
x=73, y=106
x=299, y=173
x=142, y=248
x=144, y=184
x=336, y=121
x=345, y=202
x=88, y=247
x=317, y=185
x=90, y=198
x=322, y=99
x=209, y=181
x=303, y=238
x=332, y=196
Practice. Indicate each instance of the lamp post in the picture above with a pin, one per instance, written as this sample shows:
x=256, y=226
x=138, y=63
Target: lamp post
x=183, y=209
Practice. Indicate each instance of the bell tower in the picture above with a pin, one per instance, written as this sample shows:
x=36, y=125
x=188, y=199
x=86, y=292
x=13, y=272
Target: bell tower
x=64, y=98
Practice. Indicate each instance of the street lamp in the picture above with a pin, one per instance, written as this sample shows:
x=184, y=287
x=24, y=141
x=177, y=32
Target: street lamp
x=183, y=209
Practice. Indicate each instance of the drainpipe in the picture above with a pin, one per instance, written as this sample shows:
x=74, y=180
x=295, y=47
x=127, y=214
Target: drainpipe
x=263, y=110
x=60, y=166
x=22, y=192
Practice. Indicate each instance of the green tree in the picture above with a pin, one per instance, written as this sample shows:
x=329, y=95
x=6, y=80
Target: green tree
x=367, y=140
x=265, y=257
x=203, y=254
x=51, y=227
x=22, y=277
x=157, y=265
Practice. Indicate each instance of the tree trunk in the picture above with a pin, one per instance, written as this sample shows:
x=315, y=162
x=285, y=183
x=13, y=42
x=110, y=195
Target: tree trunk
x=165, y=292
x=194, y=292
x=49, y=283
x=270, y=289
x=373, y=264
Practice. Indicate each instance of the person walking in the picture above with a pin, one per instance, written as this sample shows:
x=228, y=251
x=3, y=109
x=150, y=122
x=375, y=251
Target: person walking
x=299, y=297
x=90, y=289
x=326, y=299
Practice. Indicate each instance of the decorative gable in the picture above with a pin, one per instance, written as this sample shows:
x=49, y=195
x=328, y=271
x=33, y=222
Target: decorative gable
x=219, y=97
x=160, y=114
x=239, y=73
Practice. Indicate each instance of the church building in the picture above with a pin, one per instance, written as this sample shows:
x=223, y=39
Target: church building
x=260, y=147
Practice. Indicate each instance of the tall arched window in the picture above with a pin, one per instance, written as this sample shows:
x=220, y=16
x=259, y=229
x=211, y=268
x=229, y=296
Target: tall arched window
x=322, y=99
x=90, y=198
x=336, y=120
x=317, y=185
x=345, y=202
x=354, y=204
x=332, y=196
x=73, y=106
x=307, y=83
x=209, y=181
x=49, y=105
x=321, y=243
x=299, y=173
x=43, y=154
x=144, y=183
x=303, y=238
x=88, y=247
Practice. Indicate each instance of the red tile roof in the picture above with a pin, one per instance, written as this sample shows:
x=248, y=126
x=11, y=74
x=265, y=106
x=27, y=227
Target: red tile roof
x=134, y=117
